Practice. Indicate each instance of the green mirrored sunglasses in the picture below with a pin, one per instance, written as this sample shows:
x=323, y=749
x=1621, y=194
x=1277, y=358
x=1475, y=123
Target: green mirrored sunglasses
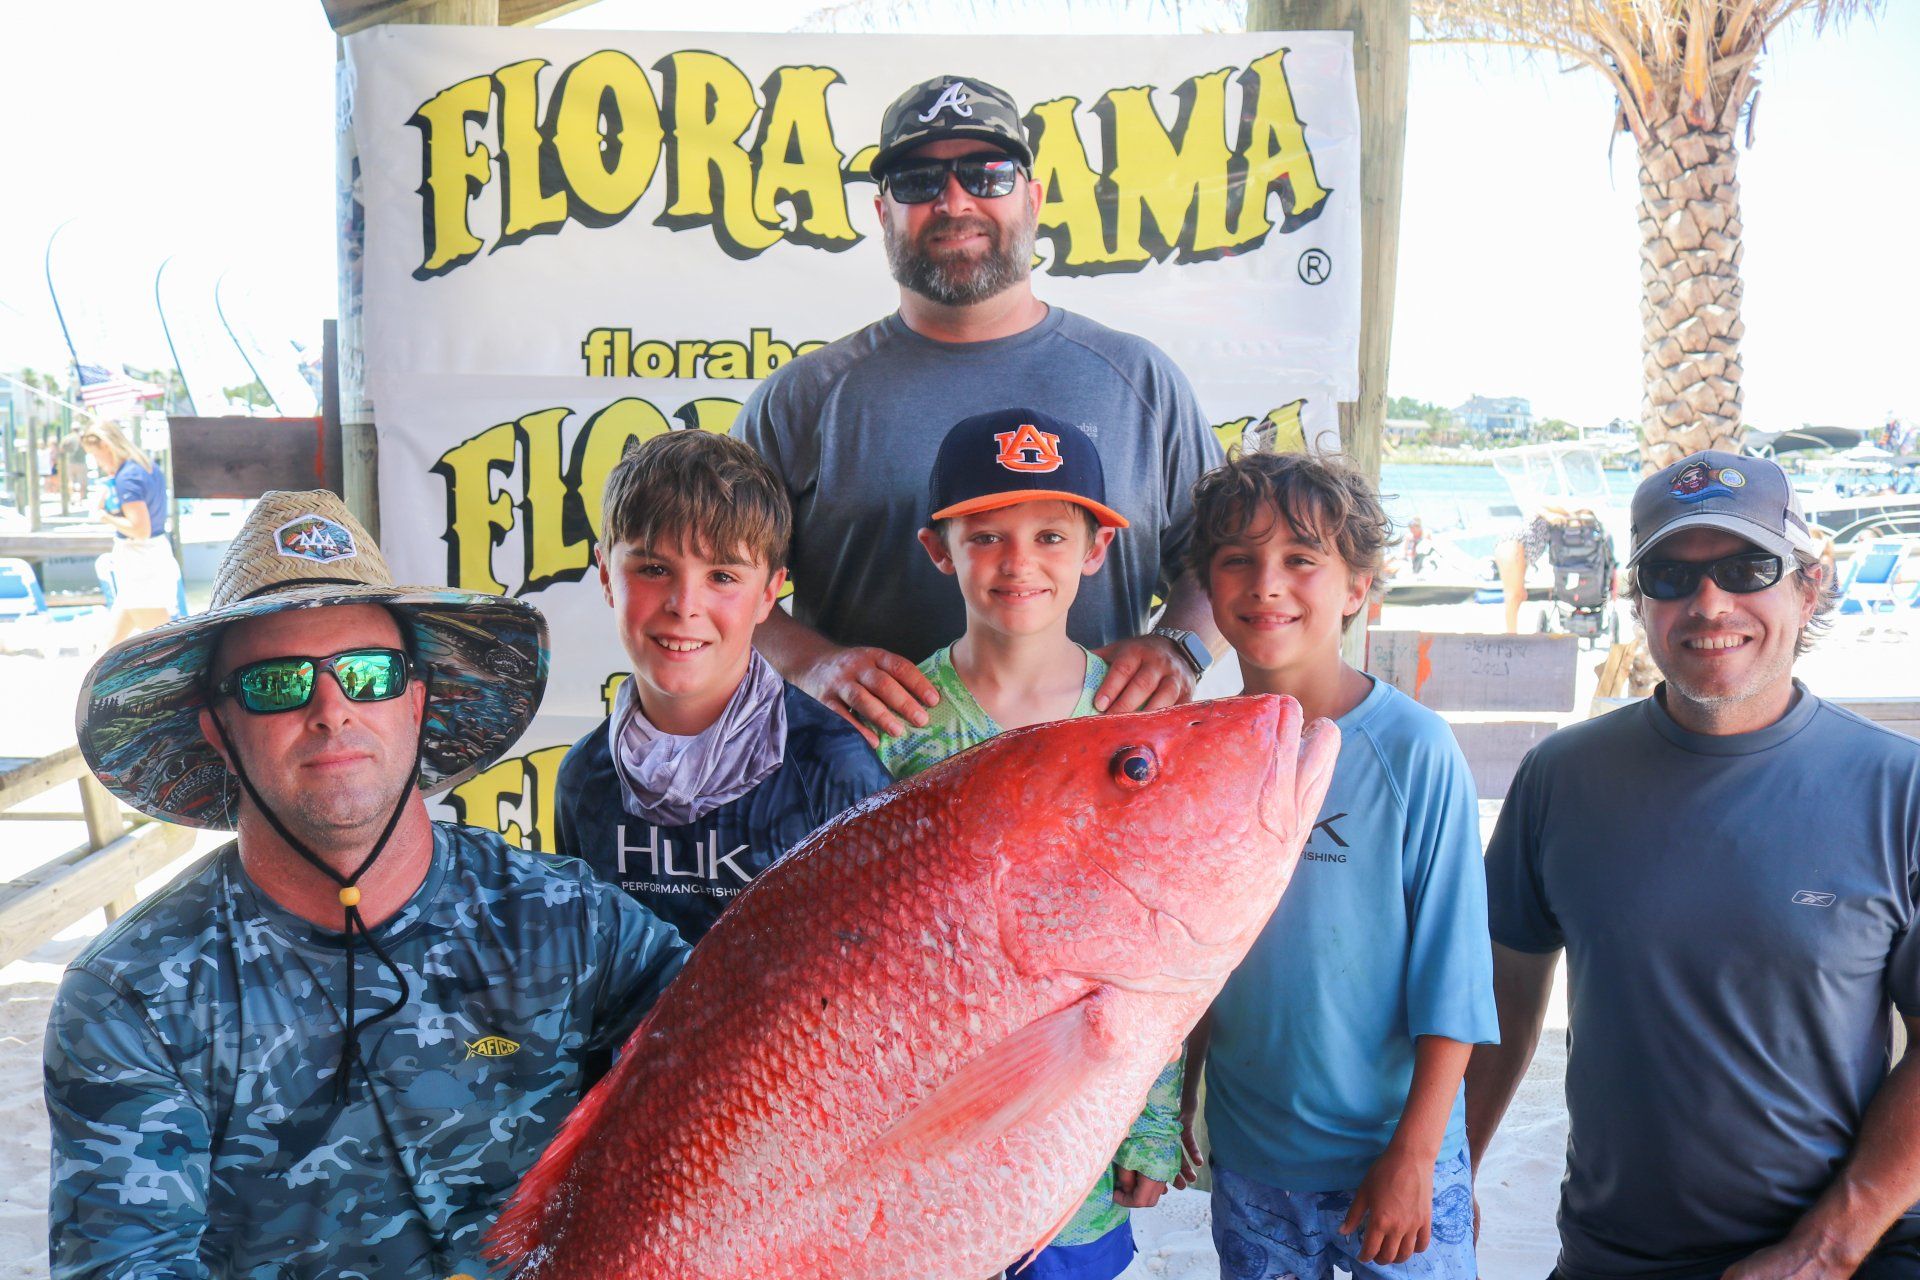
x=286, y=684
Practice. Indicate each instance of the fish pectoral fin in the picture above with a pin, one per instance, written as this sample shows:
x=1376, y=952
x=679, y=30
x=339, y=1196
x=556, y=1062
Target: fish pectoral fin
x=1028, y=1074
x=1048, y=1238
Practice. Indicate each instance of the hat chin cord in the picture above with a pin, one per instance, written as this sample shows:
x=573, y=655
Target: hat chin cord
x=349, y=897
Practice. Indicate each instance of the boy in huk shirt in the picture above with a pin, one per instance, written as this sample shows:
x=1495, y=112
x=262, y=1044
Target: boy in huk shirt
x=1334, y=1053
x=1018, y=518
x=711, y=767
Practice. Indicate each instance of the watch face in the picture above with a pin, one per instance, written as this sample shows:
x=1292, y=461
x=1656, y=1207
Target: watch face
x=1190, y=644
x=1197, y=650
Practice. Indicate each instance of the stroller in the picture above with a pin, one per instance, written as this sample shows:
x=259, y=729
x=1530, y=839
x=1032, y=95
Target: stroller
x=1580, y=602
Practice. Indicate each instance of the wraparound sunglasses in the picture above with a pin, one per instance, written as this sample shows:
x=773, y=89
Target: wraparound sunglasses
x=286, y=684
x=1740, y=575
x=983, y=177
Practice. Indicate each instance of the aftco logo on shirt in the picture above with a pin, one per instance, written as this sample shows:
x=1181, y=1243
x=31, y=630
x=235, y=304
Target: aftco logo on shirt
x=1808, y=898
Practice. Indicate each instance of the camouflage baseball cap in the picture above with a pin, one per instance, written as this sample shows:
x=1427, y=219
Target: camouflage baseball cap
x=483, y=658
x=951, y=107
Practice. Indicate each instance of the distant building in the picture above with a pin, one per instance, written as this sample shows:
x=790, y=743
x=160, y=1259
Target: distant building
x=1404, y=430
x=1497, y=417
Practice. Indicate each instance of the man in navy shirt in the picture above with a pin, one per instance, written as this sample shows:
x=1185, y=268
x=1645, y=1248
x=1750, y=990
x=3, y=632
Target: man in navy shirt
x=1731, y=867
x=711, y=767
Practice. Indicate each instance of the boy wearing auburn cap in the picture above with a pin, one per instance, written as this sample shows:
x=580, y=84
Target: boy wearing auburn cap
x=1018, y=516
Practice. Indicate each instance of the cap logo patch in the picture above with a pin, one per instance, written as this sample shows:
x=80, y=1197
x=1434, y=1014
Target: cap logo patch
x=955, y=96
x=1028, y=449
x=314, y=538
x=1697, y=482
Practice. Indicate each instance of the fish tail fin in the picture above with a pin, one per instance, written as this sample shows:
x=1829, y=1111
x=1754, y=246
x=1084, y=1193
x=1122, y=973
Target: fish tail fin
x=525, y=1225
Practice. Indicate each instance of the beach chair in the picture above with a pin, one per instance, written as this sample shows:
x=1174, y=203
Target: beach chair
x=20, y=593
x=1869, y=584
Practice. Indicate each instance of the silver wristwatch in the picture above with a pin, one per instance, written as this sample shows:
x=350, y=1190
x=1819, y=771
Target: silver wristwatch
x=1191, y=647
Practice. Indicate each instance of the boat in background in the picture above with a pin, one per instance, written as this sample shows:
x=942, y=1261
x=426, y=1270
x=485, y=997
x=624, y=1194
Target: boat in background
x=1851, y=489
x=1457, y=563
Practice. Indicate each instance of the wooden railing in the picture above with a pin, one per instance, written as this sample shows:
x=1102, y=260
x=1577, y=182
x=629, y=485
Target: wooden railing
x=102, y=873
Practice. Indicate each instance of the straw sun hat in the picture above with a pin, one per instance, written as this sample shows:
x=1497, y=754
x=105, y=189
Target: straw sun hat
x=484, y=660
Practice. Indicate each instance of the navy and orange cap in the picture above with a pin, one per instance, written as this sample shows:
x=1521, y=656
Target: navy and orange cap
x=997, y=459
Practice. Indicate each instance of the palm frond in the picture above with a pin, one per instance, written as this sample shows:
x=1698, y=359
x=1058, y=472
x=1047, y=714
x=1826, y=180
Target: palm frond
x=1663, y=57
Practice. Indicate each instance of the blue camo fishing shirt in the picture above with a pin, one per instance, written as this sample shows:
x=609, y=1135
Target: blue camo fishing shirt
x=191, y=1055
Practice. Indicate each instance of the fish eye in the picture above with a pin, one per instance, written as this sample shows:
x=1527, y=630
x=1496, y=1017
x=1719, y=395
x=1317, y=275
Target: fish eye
x=1135, y=766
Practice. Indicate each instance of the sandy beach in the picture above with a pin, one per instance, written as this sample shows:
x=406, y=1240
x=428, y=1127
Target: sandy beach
x=1519, y=1184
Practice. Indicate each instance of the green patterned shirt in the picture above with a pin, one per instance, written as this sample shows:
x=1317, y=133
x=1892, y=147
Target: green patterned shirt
x=1153, y=1145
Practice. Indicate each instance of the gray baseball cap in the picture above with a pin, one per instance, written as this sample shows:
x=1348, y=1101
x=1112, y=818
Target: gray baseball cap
x=1749, y=497
x=951, y=107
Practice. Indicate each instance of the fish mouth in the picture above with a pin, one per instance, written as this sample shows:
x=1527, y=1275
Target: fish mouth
x=1278, y=810
x=1275, y=811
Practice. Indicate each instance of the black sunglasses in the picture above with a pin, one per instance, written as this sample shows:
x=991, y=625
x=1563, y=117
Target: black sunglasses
x=286, y=684
x=985, y=177
x=1740, y=575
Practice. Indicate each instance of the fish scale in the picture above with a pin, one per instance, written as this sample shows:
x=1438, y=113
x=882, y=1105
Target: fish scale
x=970, y=979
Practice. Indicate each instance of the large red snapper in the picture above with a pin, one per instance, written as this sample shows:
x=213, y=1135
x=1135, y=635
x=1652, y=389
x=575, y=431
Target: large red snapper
x=910, y=1048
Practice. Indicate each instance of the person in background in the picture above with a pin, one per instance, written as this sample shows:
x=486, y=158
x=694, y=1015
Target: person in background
x=145, y=576
x=1519, y=551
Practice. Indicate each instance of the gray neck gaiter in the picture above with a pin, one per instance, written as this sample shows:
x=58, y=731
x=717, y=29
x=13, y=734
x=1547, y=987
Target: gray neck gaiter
x=671, y=781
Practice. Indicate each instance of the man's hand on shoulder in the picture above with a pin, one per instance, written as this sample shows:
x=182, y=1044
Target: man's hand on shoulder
x=1144, y=673
x=872, y=689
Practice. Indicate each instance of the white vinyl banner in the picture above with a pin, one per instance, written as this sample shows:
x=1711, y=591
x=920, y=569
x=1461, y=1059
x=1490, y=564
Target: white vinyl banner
x=573, y=239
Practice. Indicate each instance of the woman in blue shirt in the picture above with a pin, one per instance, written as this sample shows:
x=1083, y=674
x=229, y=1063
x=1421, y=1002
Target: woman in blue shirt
x=146, y=578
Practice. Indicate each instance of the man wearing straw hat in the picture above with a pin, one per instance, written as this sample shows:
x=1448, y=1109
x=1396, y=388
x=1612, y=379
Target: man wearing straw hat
x=333, y=1047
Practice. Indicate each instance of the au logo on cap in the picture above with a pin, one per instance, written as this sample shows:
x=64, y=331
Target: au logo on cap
x=1028, y=449
x=316, y=538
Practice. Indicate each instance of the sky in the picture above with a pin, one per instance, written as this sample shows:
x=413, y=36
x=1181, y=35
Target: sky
x=203, y=131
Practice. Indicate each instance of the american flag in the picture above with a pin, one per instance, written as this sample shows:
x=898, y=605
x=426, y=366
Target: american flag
x=110, y=392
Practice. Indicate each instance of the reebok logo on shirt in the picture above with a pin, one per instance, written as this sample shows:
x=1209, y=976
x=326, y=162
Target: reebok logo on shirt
x=1809, y=898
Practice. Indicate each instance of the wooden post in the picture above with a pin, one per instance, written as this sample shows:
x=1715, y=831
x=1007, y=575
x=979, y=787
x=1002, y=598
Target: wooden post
x=1380, y=49
x=105, y=824
x=359, y=441
x=34, y=479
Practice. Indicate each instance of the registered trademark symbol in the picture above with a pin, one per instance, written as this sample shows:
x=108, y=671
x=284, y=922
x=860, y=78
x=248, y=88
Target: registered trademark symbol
x=1315, y=266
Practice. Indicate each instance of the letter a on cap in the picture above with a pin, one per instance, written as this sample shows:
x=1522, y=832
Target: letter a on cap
x=1028, y=449
x=955, y=96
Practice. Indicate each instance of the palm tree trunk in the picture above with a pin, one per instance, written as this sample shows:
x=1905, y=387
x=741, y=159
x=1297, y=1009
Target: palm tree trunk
x=1690, y=291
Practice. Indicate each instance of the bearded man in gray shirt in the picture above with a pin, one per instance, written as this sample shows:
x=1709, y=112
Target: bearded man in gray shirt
x=853, y=428
x=1731, y=867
